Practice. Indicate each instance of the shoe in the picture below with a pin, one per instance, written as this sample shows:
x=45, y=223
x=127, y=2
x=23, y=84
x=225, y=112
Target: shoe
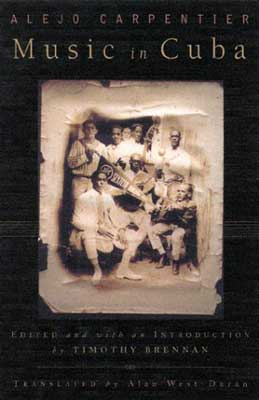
x=175, y=268
x=193, y=270
x=70, y=279
x=96, y=278
x=155, y=256
x=161, y=263
x=129, y=275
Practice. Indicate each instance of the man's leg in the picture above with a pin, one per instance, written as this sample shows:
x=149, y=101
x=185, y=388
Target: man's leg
x=156, y=243
x=143, y=221
x=85, y=241
x=89, y=244
x=97, y=276
x=154, y=236
x=177, y=243
x=134, y=238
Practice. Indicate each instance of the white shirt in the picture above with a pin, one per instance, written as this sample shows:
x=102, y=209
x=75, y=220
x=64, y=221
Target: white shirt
x=176, y=161
x=129, y=147
x=114, y=152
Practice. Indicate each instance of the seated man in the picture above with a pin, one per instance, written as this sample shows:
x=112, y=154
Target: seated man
x=94, y=225
x=133, y=214
x=177, y=215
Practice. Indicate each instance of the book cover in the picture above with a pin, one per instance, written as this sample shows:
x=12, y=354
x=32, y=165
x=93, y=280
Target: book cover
x=129, y=220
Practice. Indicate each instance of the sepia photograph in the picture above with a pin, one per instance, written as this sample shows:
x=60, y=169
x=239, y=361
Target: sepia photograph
x=131, y=196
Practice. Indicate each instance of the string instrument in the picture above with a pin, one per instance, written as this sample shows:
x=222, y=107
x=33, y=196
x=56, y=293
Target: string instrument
x=115, y=239
x=119, y=179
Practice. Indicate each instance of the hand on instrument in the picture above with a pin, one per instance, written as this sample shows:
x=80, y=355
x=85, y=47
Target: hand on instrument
x=104, y=231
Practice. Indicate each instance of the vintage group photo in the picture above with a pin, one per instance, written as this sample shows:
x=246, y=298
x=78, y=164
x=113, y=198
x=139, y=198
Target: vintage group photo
x=131, y=197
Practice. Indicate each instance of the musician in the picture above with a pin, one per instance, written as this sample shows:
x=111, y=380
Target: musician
x=133, y=214
x=126, y=134
x=83, y=158
x=114, y=150
x=131, y=145
x=177, y=216
x=94, y=224
x=176, y=161
x=137, y=132
x=139, y=178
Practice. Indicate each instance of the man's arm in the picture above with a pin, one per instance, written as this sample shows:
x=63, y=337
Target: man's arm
x=77, y=156
x=189, y=215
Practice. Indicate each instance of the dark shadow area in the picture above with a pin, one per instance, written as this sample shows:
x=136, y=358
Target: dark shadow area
x=42, y=256
x=220, y=290
x=77, y=262
x=65, y=209
x=43, y=309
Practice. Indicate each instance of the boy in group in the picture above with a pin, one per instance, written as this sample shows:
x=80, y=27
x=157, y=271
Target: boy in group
x=177, y=214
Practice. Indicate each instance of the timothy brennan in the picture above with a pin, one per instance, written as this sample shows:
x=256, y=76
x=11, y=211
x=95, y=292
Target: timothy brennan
x=150, y=349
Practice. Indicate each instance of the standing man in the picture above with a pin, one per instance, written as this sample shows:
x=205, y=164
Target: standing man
x=131, y=145
x=176, y=161
x=126, y=134
x=83, y=158
x=114, y=150
x=137, y=132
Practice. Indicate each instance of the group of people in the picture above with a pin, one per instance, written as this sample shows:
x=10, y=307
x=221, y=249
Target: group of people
x=156, y=201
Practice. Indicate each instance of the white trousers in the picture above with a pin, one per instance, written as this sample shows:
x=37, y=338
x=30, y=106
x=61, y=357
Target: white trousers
x=177, y=239
x=134, y=237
